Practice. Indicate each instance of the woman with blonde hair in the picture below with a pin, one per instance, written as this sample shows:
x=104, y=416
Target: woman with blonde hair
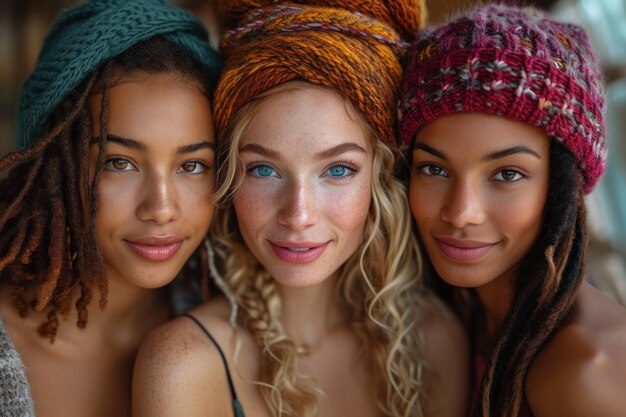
x=324, y=312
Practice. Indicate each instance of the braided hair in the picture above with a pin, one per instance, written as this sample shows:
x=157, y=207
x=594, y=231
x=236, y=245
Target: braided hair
x=544, y=291
x=48, y=202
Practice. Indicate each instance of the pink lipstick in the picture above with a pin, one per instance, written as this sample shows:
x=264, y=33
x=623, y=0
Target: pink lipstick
x=298, y=252
x=464, y=251
x=155, y=252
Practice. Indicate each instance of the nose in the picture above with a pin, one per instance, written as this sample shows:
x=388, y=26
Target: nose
x=463, y=206
x=159, y=201
x=298, y=206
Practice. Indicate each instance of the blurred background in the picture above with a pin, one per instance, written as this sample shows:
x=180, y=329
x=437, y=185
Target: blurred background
x=24, y=23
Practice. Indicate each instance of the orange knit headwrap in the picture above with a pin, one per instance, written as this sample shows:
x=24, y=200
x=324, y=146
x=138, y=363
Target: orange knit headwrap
x=406, y=17
x=353, y=48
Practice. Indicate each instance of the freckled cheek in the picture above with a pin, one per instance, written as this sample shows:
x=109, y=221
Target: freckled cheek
x=196, y=194
x=255, y=206
x=117, y=202
x=348, y=207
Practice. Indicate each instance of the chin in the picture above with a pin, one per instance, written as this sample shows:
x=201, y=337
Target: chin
x=461, y=277
x=154, y=278
x=298, y=279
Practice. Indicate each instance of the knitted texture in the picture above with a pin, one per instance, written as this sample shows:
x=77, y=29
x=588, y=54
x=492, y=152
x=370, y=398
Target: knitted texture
x=406, y=17
x=344, y=49
x=15, y=396
x=85, y=37
x=513, y=62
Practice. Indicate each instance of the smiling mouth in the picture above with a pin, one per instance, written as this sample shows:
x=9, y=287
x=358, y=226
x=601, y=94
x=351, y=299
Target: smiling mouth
x=158, y=252
x=464, y=252
x=298, y=254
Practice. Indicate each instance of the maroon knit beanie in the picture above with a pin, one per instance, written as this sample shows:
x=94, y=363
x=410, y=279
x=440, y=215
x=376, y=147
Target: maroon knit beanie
x=513, y=62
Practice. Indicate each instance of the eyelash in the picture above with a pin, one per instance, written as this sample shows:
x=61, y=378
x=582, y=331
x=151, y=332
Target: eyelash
x=251, y=167
x=351, y=166
x=509, y=170
x=422, y=166
x=111, y=159
x=199, y=162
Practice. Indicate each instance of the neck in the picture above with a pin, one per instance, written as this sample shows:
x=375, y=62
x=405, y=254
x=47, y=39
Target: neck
x=129, y=314
x=127, y=303
x=309, y=314
x=496, y=298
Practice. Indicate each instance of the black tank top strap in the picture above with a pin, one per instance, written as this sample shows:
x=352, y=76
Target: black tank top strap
x=237, y=408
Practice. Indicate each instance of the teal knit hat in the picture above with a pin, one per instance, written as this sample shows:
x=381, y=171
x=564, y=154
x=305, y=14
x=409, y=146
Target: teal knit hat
x=85, y=37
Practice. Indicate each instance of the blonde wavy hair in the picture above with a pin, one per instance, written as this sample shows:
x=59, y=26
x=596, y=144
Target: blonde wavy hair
x=379, y=284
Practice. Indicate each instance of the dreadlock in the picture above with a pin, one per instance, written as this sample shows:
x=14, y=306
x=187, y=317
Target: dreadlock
x=48, y=202
x=544, y=291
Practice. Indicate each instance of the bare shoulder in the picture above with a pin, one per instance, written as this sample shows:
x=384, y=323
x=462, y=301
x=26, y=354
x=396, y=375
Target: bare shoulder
x=447, y=357
x=582, y=369
x=178, y=370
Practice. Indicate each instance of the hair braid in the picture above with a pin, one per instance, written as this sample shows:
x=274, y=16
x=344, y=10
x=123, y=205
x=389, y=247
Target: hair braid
x=58, y=234
x=280, y=386
x=284, y=388
x=378, y=286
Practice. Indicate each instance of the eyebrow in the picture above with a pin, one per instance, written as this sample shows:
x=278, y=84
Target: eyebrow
x=134, y=144
x=195, y=146
x=511, y=151
x=430, y=150
x=325, y=154
x=260, y=150
x=490, y=157
x=338, y=150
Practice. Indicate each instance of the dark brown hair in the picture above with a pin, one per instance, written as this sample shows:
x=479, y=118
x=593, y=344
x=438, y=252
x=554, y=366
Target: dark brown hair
x=48, y=247
x=545, y=289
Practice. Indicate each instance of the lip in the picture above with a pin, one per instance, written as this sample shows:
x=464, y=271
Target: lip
x=305, y=251
x=464, y=250
x=155, y=248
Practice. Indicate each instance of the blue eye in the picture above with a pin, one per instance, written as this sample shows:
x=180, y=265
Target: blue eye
x=262, y=171
x=340, y=171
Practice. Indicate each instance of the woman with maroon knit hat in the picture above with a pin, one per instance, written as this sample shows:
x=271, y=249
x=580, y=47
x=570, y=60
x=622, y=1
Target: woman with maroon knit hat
x=502, y=113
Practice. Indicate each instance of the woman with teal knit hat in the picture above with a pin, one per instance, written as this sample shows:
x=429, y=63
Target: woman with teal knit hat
x=108, y=196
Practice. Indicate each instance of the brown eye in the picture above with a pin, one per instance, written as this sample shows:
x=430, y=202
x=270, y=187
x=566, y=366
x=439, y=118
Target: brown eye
x=192, y=167
x=118, y=164
x=432, y=170
x=508, y=175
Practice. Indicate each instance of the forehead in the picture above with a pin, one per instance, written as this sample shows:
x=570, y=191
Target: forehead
x=155, y=106
x=478, y=133
x=304, y=117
